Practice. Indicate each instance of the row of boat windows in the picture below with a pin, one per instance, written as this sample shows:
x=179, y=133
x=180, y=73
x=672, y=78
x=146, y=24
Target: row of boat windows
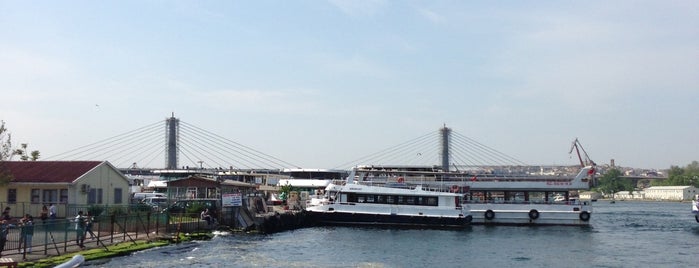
x=392, y=199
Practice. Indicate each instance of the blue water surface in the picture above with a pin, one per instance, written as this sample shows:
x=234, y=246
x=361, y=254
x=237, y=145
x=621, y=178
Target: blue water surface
x=624, y=234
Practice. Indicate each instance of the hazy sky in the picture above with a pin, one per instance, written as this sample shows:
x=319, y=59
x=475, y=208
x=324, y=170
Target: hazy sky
x=319, y=83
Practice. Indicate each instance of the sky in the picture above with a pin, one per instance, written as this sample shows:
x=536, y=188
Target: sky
x=318, y=83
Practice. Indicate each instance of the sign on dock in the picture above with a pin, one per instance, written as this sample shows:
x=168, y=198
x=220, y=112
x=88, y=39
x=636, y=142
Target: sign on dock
x=232, y=200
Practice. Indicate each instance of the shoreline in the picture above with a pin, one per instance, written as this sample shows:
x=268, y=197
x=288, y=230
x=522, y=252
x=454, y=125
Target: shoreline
x=115, y=250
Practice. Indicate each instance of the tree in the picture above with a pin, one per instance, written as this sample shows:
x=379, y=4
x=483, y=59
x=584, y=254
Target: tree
x=611, y=182
x=678, y=176
x=5, y=153
x=5, y=143
x=22, y=152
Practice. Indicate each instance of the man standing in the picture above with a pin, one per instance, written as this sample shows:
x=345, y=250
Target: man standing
x=4, y=229
x=26, y=233
x=80, y=229
x=52, y=212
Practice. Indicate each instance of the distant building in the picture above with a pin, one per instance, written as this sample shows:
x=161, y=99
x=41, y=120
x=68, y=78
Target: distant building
x=629, y=195
x=64, y=183
x=671, y=192
x=202, y=187
x=589, y=195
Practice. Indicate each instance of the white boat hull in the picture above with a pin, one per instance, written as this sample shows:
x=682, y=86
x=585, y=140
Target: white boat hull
x=530, y=214
x=389, y=215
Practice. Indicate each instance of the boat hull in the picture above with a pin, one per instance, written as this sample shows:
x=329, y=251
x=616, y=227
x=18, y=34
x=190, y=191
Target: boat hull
x=348, y=218
x=530, y=214
x=352, y=214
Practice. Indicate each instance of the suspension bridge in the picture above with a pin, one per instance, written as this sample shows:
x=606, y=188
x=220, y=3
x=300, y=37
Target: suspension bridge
x=175, y=144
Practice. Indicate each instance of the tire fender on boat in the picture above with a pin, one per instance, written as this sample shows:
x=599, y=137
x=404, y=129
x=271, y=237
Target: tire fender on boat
x=489, y=214
x=533, y=214
x=584, y=216
x=696, y=217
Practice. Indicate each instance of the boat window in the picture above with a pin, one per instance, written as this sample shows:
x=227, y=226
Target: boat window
x=360, y=199
x=401, y=199
x=431, y=201
x=370, y=198
x=381, y=199
x=410, y=200
x=390, y=199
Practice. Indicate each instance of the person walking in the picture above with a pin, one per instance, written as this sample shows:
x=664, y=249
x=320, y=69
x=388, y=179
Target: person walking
x=52, y=212
x=4, y=229
x=26, y=233
x=88, y=225
x=80, y=229
x=6, y=214
x=44, y=214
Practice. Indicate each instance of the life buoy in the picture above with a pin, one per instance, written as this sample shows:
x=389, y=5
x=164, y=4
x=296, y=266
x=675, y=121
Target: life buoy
x=454, y=188
x=533, y=214
x=468, y=219
x=584, y=216
x=400, y=180
x=489, y=214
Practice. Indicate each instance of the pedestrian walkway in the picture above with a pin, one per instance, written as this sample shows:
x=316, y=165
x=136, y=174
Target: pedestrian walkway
x=71, y=247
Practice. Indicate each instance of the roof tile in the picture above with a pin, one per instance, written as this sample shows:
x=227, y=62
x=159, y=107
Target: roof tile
x=47, y=171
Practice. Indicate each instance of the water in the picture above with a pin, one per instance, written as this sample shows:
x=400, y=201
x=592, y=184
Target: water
x=625, y=234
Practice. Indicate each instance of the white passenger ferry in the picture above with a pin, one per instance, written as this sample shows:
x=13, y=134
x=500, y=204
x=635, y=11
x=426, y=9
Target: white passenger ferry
x=501, y=200
x=354, y=202
x=529, y=201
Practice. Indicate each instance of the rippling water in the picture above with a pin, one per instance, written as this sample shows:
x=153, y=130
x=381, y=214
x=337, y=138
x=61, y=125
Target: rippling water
x=625, y=234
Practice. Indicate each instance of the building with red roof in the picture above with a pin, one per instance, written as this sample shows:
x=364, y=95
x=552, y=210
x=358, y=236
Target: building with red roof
x=63, y=183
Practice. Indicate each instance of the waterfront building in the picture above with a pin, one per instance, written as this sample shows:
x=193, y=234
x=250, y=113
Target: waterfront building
x=630, y=195
x=589, y=195
x=67, y=184
x=678, y=193
x=195, y=187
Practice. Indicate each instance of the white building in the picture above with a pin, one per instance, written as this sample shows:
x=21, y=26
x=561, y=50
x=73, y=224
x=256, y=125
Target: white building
x=629, y=195
x=671, y=192
x=590, y=195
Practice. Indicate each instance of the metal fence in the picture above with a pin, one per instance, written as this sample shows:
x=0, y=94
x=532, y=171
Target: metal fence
x=111, y=225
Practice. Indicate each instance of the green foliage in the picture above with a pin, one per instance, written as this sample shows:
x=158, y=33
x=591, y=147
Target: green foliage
x=195, y=208
x=117, y=210
x=22, y=152
x=678, y=176
x=6, y=153
x=285, y=190
x=95, y=210
x=611, y=182
x=5, y=143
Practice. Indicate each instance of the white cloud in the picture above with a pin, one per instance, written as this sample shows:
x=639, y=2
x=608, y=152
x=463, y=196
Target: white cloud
x=360, y=8
x=432, y=16
x=17, y=63
x=355, y=65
